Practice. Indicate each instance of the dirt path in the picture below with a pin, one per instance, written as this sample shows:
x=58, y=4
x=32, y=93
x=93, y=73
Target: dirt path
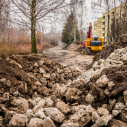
x=68, y=58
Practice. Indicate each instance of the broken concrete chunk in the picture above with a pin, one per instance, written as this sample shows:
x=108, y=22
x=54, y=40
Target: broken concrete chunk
x=35, y=122
x=40, y=113
x=119, y=106
x=18, y=120
x=90, y=98
x=102, y=81
x=42, y=71
x=39, y=105
x=29, y=113
x=3, y=80
x=48, y=122
x=49, y=102
x=54, y=114
x=46, y=75
x=102, y=111
x=115, y=112
x=95, y=116
x=63, y=107
x=111, y=85
x=104, y=120
x=36, y=64
x=125, y=97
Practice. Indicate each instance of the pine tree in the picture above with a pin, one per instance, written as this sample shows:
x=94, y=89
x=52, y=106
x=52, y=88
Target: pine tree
x=69, y=29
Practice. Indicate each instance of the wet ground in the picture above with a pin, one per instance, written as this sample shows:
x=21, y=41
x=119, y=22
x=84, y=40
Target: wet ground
x=68, y=58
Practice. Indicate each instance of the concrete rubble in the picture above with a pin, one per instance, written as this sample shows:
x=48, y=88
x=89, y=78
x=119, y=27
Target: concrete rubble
x=37, y=92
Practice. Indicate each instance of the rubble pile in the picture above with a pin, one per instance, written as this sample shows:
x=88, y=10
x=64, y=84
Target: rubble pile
x=35, y=92
x=74, y=46
x=26, y=84
x=117, y=43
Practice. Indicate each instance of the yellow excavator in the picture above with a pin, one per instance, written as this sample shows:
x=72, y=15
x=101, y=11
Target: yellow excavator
x=93, y=44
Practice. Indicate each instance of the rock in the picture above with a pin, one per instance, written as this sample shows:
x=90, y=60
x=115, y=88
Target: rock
x=102, y=111
x=70, y=92
x=70, y=124
x=123, y=116
x=63, y=107
x=41, y=62
x=54, y=114
x=112, y=104
x=35, y=122
x=18, y=120
x=95, y=116
x=82, y=117
x=32, y=76
x=62, y=90
x=116, y=123
x=3, y=80
x=124, y=58
x=39, y=105
x=119, y=106
x=111, y=85
x=6, y=95
x=104, y=120
x=8, y=83
x=48, y=122
x=125, y=97
x=90, y=98
x=60, y=70
x=42, y=71
x=1, y=121
x=2, y=90
x=49, y=102
x=102, y=81
x=52, y=76
x=46, y=75
x=115, y=56
x=36, y=64
x=37, y=83
x=115, y=112
x=29, y=113
x=95, y=125
x=40, y=113
x=35, y=100
x=43, y=81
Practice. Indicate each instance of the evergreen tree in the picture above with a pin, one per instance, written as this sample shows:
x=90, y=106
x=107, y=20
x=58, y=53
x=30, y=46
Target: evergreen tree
x=69, y=29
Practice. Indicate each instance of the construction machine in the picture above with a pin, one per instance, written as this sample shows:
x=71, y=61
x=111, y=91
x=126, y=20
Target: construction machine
x=93, y=44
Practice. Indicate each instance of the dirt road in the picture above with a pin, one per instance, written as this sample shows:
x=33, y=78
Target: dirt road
x=68, y=58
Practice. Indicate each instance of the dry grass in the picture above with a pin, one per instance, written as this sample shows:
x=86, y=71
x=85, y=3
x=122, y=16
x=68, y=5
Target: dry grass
x=21, y=49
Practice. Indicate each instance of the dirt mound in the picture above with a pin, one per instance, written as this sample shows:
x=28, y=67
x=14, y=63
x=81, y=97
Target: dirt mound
x=73, y=45
x=120, y=42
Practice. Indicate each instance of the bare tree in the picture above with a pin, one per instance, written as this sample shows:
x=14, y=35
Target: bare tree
x=34, y=10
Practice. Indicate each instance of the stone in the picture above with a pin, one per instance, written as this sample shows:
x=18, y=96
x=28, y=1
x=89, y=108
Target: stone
x=116, y=123
x=3, y=100
x=29, y=113
x=70, y=124
x=104, y=120
x=32, y=76
x=49, y=102
x=63, y=107
x=35, y=122
x=8, y=83
x=115, y=112
x=125, y=97
x=119, y=106
x=3, y=80
x=62, y=90
x=119, y=51
x=36, y=64
x=43, y=81
x=102, y=111
x=111, y=85
x=95, y=125
x=90, y=98
x=115, y=56
x=123, y=116
x=70, y=92
x=124, y=58
x=6, y=95
x=95, y=116
x=39, y=105
x=40, y=113
x=2, y=90
x=37, y=83
x=60, y=70
x=112, y=104
x=42, y=71
x=18, y=120
x=102, y=81
x=48, y=122
x=35, y=100
x=52, y=76
x=41, y=62
x=46, y=75
x=54, y=114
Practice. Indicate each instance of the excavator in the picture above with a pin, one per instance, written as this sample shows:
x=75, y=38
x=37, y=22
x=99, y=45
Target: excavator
x=93, y=44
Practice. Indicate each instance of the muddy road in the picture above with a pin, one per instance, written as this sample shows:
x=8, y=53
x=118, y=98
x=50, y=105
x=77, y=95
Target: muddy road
x=68, y=58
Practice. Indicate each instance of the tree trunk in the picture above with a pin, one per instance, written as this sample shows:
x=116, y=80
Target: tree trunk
x=33, y=29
